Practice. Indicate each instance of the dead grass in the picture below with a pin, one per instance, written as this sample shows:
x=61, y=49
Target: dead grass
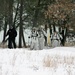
x=49, y=62
x=54, y=61
x=69, y=60
x=3, y=45
x=69, y=44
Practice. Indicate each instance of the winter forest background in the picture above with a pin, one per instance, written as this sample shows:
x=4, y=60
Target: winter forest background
x=26, y=14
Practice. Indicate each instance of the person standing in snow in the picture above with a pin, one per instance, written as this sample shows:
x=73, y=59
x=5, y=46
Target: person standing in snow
x=55, y=38
x=34, y=39
x=12, y=33
x=41, y=39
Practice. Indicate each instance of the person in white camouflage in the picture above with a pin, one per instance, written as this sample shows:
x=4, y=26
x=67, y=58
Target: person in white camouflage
x=55, y=38
x=34, y=39
x=41, y=39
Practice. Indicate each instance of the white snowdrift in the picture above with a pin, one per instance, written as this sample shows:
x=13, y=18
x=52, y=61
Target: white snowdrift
x=56, y=61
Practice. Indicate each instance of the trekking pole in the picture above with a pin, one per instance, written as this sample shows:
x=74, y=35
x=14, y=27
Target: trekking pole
x=28, y=40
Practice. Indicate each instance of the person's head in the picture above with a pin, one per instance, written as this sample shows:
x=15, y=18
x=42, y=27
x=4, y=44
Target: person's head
x=55, y=32
x=34, y=29
x=11, y=27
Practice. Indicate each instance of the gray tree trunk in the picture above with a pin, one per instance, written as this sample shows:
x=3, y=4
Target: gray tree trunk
x=5, y=28
x=20, y=27
x=36, y=12
x=24, y=43
x=10, y=12
x=16, y=13
x=6, y=19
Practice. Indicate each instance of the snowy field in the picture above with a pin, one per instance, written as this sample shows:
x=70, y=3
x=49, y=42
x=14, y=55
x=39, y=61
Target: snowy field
x=56, y=61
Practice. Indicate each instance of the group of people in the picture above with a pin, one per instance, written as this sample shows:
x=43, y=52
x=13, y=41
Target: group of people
x=38, y=39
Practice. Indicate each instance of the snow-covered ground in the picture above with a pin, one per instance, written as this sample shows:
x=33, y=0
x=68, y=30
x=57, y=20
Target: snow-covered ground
x=56, y=61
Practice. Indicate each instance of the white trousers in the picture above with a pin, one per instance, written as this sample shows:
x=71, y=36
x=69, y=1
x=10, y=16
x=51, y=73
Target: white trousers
x=41, y=43
x=34, y=44
x=55, y=43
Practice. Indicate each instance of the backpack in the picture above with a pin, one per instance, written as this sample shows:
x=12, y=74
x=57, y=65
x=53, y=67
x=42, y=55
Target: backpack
x=15, y=33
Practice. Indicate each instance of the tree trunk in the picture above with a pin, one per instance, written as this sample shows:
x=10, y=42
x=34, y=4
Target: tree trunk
x=16, y=13
x=20, y=27
x=45, y=36
x=65, y=34
x=6, y=19
x=23, y=39
x=10, y=12
x=5, y=28
x=36, y=14
x=54, y=28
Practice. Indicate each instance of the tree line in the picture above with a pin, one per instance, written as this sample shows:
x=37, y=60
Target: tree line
x=33, y=13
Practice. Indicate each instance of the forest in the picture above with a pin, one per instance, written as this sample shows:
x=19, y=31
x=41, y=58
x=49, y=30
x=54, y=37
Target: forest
x=33, y=13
